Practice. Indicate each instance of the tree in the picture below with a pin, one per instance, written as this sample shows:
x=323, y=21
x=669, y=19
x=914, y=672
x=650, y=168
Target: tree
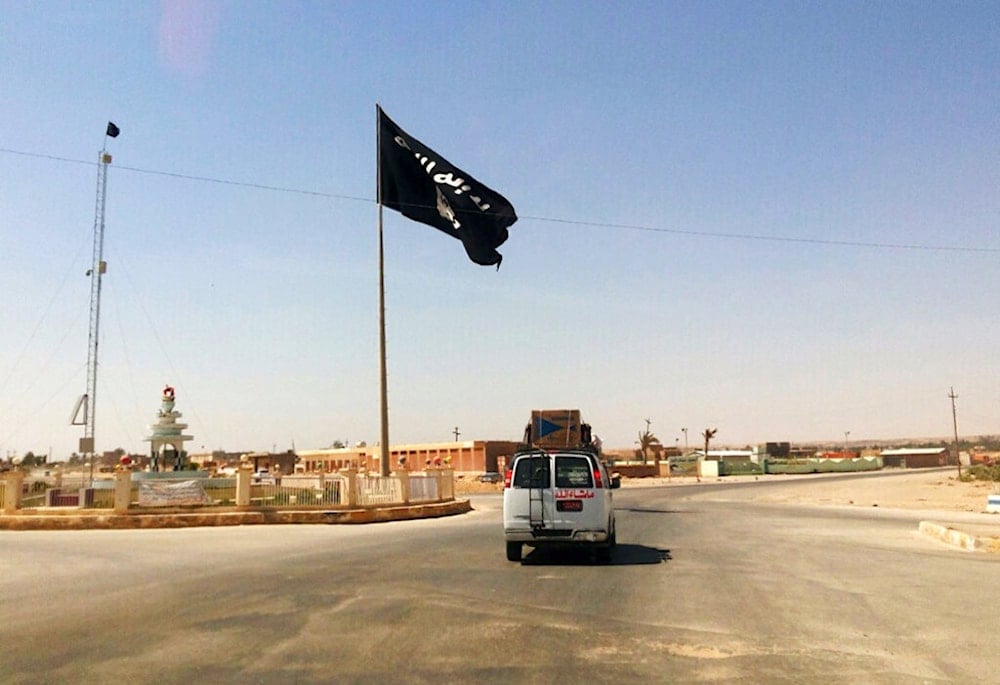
x=708, y=434
x=646, y=442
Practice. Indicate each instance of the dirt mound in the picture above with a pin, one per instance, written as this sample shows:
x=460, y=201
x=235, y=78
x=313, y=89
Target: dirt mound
x=470, y=485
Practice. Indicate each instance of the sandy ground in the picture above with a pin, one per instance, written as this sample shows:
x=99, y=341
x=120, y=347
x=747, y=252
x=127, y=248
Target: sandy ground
x=933, y=489
x=939, y=490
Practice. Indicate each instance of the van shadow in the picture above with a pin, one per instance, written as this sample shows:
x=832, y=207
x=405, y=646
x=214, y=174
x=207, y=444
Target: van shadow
x=622, y=555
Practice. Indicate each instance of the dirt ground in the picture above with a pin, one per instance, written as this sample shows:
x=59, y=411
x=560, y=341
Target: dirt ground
x=939, y=490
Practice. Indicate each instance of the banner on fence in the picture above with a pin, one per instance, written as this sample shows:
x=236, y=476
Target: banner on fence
x=160, y=494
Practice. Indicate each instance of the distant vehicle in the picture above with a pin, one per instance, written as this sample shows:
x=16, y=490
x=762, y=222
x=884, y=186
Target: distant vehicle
x=559, y=498
x=263, y=477
x=490, y=477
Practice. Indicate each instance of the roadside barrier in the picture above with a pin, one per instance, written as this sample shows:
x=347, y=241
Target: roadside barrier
x=128, y=492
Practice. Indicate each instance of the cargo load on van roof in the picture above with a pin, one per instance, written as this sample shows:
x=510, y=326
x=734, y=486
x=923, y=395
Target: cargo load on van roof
x=556, y=429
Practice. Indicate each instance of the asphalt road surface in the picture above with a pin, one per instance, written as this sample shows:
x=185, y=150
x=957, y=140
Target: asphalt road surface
x=700, y=589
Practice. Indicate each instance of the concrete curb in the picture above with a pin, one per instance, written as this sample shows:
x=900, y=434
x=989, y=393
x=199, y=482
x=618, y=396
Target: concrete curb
x=972, y=542
x=94, y=519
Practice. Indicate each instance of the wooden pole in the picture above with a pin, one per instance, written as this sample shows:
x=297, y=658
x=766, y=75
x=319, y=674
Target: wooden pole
x=954, y=425
x=383, y=380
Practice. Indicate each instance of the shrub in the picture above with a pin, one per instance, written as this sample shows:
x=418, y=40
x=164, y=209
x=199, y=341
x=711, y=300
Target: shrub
x=982, y=472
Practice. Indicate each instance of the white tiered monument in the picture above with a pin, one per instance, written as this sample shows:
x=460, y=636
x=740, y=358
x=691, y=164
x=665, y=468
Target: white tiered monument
x=167, y=440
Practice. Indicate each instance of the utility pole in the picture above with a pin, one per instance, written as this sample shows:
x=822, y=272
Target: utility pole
x=954, y=424
x=456, y=433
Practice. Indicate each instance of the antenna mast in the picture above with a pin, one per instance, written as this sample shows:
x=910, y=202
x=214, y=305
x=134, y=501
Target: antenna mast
x=99, y=266
x=97, y=269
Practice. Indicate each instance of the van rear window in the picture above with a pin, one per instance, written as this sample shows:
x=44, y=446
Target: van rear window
x=532, y=472
x=574, y=472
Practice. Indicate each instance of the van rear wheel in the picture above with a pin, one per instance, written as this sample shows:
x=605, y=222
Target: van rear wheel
x=513, y=551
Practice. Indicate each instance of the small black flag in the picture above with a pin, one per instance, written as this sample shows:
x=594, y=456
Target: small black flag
x=113, y=130
x=424, y=186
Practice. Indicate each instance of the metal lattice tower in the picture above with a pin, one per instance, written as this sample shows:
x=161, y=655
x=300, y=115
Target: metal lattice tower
x=97, y=269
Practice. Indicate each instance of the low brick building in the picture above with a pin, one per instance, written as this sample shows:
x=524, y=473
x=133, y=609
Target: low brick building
x=916, y=457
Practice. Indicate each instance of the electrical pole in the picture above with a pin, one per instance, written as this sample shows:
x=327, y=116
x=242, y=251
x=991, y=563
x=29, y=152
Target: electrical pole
x=954, y=424
x=456, y=432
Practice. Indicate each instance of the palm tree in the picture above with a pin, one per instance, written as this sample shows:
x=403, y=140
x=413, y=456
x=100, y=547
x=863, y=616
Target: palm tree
x=708, y=434
x=647, y=441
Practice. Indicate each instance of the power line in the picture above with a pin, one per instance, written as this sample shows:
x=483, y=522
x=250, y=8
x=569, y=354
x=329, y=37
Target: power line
x=772, y=238
x=554, y=220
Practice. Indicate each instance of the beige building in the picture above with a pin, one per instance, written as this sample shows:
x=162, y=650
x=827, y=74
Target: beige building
x=470, y=456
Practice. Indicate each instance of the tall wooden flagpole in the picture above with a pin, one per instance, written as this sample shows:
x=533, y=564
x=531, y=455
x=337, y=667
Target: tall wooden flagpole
x=383, y=382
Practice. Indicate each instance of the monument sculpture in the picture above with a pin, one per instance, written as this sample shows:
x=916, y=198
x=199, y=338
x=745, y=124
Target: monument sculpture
x=167, y=438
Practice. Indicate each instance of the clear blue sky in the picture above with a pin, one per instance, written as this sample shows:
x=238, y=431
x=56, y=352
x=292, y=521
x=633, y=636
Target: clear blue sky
x=776, y=219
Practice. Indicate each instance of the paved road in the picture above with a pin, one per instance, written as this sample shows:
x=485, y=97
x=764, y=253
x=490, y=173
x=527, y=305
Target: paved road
x=700, y=590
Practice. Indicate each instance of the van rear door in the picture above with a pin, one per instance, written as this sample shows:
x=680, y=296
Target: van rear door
x=529, y=500
x=578, y=494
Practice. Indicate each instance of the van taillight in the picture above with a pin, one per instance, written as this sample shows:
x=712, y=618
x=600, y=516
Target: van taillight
x=598, y=483
x=507, y=476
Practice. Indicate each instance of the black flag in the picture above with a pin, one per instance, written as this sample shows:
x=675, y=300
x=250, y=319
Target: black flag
x=113, y=130
x=425, y=187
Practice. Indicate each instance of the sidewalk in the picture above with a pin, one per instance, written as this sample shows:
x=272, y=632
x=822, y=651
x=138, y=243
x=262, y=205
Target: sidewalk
x=84, y=519
x=975, y=537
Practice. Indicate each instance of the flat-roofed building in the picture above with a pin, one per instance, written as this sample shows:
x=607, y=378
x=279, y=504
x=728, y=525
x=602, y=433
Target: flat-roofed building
x=916, y=457
x=468, y=456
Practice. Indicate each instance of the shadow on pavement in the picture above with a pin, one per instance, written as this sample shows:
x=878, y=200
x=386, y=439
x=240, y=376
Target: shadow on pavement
x=622, y=555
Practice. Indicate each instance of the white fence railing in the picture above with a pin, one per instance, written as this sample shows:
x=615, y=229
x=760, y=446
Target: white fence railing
x=304, y=490
x=423, y=488
x=124, y=490
x=373, y=490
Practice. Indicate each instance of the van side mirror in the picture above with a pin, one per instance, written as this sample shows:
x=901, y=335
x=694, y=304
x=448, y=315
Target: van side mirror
x=616, y=481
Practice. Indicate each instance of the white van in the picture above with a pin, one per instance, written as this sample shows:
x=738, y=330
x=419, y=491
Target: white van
x=558, y=498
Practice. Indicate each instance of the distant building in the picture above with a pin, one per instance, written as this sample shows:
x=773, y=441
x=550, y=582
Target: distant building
x=469, y=456
x=775, y=450
x=839, y=454
x=723, y=455
x=916, y=457
x=272, y=462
